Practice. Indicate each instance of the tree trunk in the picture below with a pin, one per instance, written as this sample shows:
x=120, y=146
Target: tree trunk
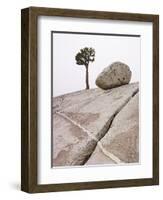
x=87, y=78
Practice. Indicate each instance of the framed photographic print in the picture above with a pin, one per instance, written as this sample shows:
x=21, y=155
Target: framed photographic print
x=90, y=99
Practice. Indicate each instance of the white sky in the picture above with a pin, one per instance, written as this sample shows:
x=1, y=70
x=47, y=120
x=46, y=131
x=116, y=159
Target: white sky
x=69, y=77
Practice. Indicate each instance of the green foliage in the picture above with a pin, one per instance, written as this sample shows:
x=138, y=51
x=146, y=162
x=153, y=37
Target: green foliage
x=85, y=56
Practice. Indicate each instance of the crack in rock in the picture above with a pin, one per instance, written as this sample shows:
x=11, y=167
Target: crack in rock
x=106, y=153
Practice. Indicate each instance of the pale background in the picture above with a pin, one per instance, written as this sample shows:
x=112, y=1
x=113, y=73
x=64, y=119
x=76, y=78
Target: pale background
x=69, y=77
x=10, y=99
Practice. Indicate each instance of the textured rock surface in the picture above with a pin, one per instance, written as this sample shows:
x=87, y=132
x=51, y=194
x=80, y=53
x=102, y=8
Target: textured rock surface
x=81, y=119
x=122, y=139
x=114, y=75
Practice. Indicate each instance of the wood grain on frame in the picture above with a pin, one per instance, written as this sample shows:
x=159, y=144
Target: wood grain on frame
x=29, y=99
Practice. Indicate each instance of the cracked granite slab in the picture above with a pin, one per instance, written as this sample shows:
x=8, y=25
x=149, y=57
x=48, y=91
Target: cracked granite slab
x=122, y=139
x=82, y=119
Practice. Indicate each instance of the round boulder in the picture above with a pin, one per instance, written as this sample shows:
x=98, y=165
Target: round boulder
x=114, y=75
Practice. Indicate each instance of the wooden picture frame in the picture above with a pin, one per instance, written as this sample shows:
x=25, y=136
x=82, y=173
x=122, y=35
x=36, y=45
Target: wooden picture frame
x=29, y=110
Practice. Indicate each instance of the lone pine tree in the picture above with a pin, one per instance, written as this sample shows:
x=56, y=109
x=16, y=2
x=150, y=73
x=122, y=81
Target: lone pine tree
x=84, y=57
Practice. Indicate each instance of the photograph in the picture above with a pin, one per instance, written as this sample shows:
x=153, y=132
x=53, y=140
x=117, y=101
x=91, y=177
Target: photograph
x=95, y=99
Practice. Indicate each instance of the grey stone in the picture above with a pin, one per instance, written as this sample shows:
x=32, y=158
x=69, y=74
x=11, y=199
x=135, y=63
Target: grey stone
x=81, y=119
x=122, y=139
x=114, y=75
